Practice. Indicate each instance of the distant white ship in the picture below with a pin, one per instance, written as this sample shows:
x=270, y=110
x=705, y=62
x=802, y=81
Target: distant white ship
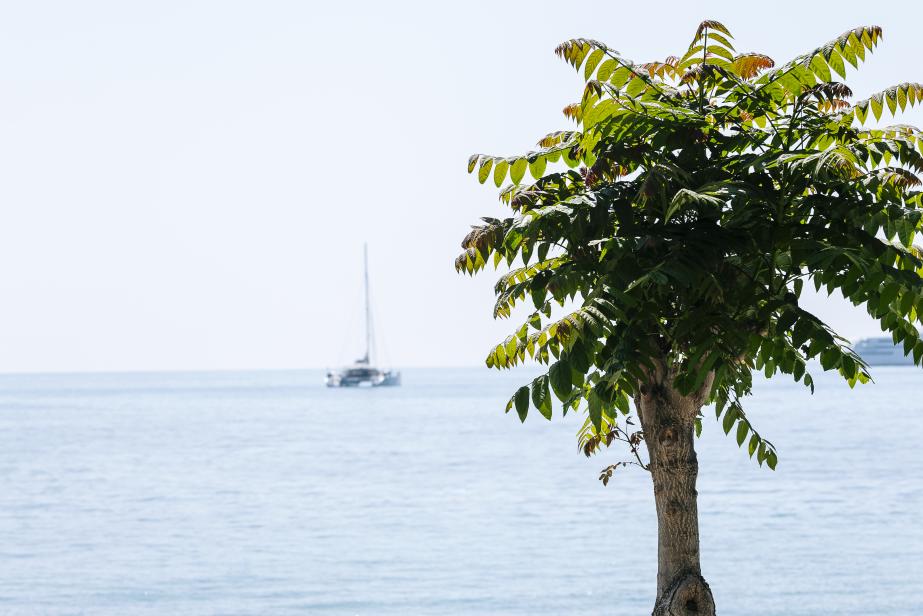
x=363, y=373
x=882, y=352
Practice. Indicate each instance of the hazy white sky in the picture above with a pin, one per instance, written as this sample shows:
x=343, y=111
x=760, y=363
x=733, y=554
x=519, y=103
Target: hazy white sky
x=188, y=184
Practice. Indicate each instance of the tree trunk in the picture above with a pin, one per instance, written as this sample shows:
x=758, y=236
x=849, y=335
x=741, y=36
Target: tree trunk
x=668, y=420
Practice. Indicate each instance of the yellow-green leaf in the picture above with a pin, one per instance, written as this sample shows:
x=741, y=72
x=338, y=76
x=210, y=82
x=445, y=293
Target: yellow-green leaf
x=500, y=172
x=714, y=36
x=836, y=63
x=635, y=87
x=484, y=170
x=518, y=169
x=606, y=69
x=621, y=76
x=592, y=62
x=820, y=68
x=876, y=106
x=537, y=167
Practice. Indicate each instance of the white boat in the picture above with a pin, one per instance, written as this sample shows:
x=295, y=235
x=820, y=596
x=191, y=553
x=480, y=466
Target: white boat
x=882, y=352
x=363, y=372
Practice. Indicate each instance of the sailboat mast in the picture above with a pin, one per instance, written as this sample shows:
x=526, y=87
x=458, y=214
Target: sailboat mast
x=368, y=311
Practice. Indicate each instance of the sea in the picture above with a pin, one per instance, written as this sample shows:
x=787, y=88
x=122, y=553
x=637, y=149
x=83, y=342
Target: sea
x=267, y=493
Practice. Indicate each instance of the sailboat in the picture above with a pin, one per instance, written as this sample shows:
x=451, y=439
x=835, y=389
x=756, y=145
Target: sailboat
x=363, y=372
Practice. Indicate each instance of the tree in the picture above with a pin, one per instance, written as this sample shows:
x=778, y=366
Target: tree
x=697, y=196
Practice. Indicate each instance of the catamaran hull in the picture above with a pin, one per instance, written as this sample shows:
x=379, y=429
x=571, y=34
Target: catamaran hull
x=386, y=379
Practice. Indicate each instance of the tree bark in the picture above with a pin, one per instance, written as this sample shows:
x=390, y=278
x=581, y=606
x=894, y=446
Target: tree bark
x=668, y=420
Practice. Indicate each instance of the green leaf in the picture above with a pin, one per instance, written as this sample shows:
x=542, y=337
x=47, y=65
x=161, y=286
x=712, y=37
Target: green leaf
x=848, y=366
x=772, y=459
x=798, y=370
x=829, y=358
x=541, y=397
x=561, y=383
x=754, y=443
x=621, y=403
x=742, y=430
x=801, y=332
x=785, y=321
x=521, y=400
x=595, y=406
x=729, y=418
x=889, y=293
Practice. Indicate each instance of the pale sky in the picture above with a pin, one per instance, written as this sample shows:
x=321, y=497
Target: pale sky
x=187, y=185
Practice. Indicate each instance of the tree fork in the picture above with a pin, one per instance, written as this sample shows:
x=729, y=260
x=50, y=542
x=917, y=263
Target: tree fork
x=668, y=419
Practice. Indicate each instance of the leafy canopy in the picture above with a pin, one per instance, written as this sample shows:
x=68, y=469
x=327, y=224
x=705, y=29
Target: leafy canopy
x=697, y=195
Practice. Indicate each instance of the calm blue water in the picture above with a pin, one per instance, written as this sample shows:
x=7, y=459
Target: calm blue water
x=266, y=493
